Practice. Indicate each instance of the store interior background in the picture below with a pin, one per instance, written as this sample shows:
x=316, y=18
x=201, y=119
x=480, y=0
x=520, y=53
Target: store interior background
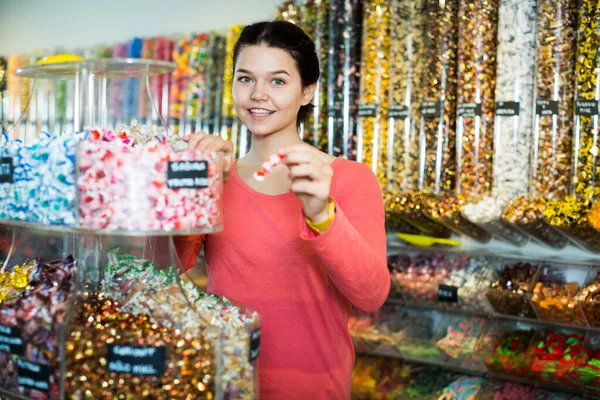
x=27, y=26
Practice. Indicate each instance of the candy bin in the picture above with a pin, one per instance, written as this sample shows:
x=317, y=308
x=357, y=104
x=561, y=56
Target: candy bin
x=499, y=390
x=376, y=378
x=414, y=335
x=215, y=65
x=393, y=219
x=570, y=214
x=504, y=347
x=37, y=285
x=553, y=130
x=547, y=394
x=515, y=71
x=415, y=275
x=476, y=77
x=437, y=116
x=555, y=294
x=371, y=331
x=316, y=25
x=459, y=337
x=407, y=74
x=588, y=298
x=229, y=121
x=371, y=129
x=557, y=354
x=345, y=30
x=510, y=292
x=589, y=372
x=455, y=386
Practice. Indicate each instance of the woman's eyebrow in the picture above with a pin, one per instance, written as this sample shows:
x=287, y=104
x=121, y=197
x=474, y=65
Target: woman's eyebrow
x=280, y=71
x=244, y=71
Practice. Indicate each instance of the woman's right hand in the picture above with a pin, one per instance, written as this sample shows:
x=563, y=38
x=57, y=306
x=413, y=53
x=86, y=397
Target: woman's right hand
x=204, y=142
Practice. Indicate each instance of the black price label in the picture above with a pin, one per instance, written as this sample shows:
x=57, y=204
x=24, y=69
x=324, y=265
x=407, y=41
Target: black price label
x=187, y=174
x=399, y=112
x=32, y=375
x=367, y=110
x=431, y=109
x=10, y=340
x=448, y=294
x=137, y=360
x=507, y=108
x=546, y=107
x=586, y=107
x=469, y=110
x=254, y=345
x=335, y=111
x=7, y=170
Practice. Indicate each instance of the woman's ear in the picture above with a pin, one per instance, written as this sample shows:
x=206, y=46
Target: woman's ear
x=308, y=93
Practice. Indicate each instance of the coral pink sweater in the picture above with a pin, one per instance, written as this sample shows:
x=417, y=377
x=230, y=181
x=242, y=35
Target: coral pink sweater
x=303, y=285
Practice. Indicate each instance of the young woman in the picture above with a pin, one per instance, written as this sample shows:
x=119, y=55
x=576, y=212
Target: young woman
x=306, y=244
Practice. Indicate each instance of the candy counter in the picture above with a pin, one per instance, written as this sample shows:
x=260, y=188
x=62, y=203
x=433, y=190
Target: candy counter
x=91, y=300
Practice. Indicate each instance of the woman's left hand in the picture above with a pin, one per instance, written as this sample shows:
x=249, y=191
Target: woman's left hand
x=311, y=175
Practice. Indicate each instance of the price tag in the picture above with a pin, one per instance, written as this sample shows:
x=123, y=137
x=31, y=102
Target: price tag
x=10, y=340
x=507, y=108
x=32, y=375
x=431, y=109
x=137, y=360
x=587, y=108
x=399, y=112
x=254, y=345
x=469, y=110
x=367, y=110
x=546, y=107
x=335, y=111
x=448, y=294
x=7, y=170
x=187, y=174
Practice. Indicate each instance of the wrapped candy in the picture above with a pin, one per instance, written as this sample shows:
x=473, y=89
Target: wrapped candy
x=268, y=166
x=147, y=188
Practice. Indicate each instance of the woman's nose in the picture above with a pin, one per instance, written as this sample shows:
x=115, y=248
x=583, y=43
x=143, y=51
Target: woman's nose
x=259, y=93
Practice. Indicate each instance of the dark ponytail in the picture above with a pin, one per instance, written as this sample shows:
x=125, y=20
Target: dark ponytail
x=285, y=36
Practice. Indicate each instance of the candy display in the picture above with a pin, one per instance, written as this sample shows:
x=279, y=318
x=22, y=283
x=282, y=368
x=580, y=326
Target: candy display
x=289, y=11
x=345, y=32
x=378, y=379
x=407, y=49
x=556, y=292
x=588, y=299
x=447, y=210
x=497, y=390
x=553, y=130
x=148, y=187
x=476, y=78
x=570, y=215
x=556, y=355
x=510, y=293
x=316, y=24
x=32, y=317
x=371, y=330
x=460, y=341
x=515, y=71
x=505, y=345
x=139, y=286
x=214, y=76
x=103, y=340
x=374, y=86
x=463, y=388
x=414, y=334
x=229, y=122
x=408, y=207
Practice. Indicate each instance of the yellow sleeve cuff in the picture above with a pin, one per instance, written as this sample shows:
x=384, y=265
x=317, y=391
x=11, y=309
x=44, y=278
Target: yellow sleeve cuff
x=321, y=227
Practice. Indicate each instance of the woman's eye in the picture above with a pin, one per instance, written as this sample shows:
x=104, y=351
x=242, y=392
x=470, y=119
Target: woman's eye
x=244, y=79
x=278, y=81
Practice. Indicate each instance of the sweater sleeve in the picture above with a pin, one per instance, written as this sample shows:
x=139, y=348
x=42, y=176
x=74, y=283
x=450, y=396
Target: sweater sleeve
x=187, y=249
x=353, y=248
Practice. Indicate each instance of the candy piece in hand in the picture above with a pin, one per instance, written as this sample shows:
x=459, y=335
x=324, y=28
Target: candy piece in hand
x=268, y=166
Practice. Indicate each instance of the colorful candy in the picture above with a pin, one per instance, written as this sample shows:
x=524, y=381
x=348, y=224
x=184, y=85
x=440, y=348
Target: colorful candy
x=509, y=294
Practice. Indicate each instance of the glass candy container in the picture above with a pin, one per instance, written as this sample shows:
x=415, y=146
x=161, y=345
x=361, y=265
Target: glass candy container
x=553, y=129
x=515, y=73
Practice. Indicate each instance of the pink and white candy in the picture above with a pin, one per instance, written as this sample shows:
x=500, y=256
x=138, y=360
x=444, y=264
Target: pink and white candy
x=268, y=166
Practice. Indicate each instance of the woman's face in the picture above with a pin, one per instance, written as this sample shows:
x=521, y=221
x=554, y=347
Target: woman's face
x=267, y=90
